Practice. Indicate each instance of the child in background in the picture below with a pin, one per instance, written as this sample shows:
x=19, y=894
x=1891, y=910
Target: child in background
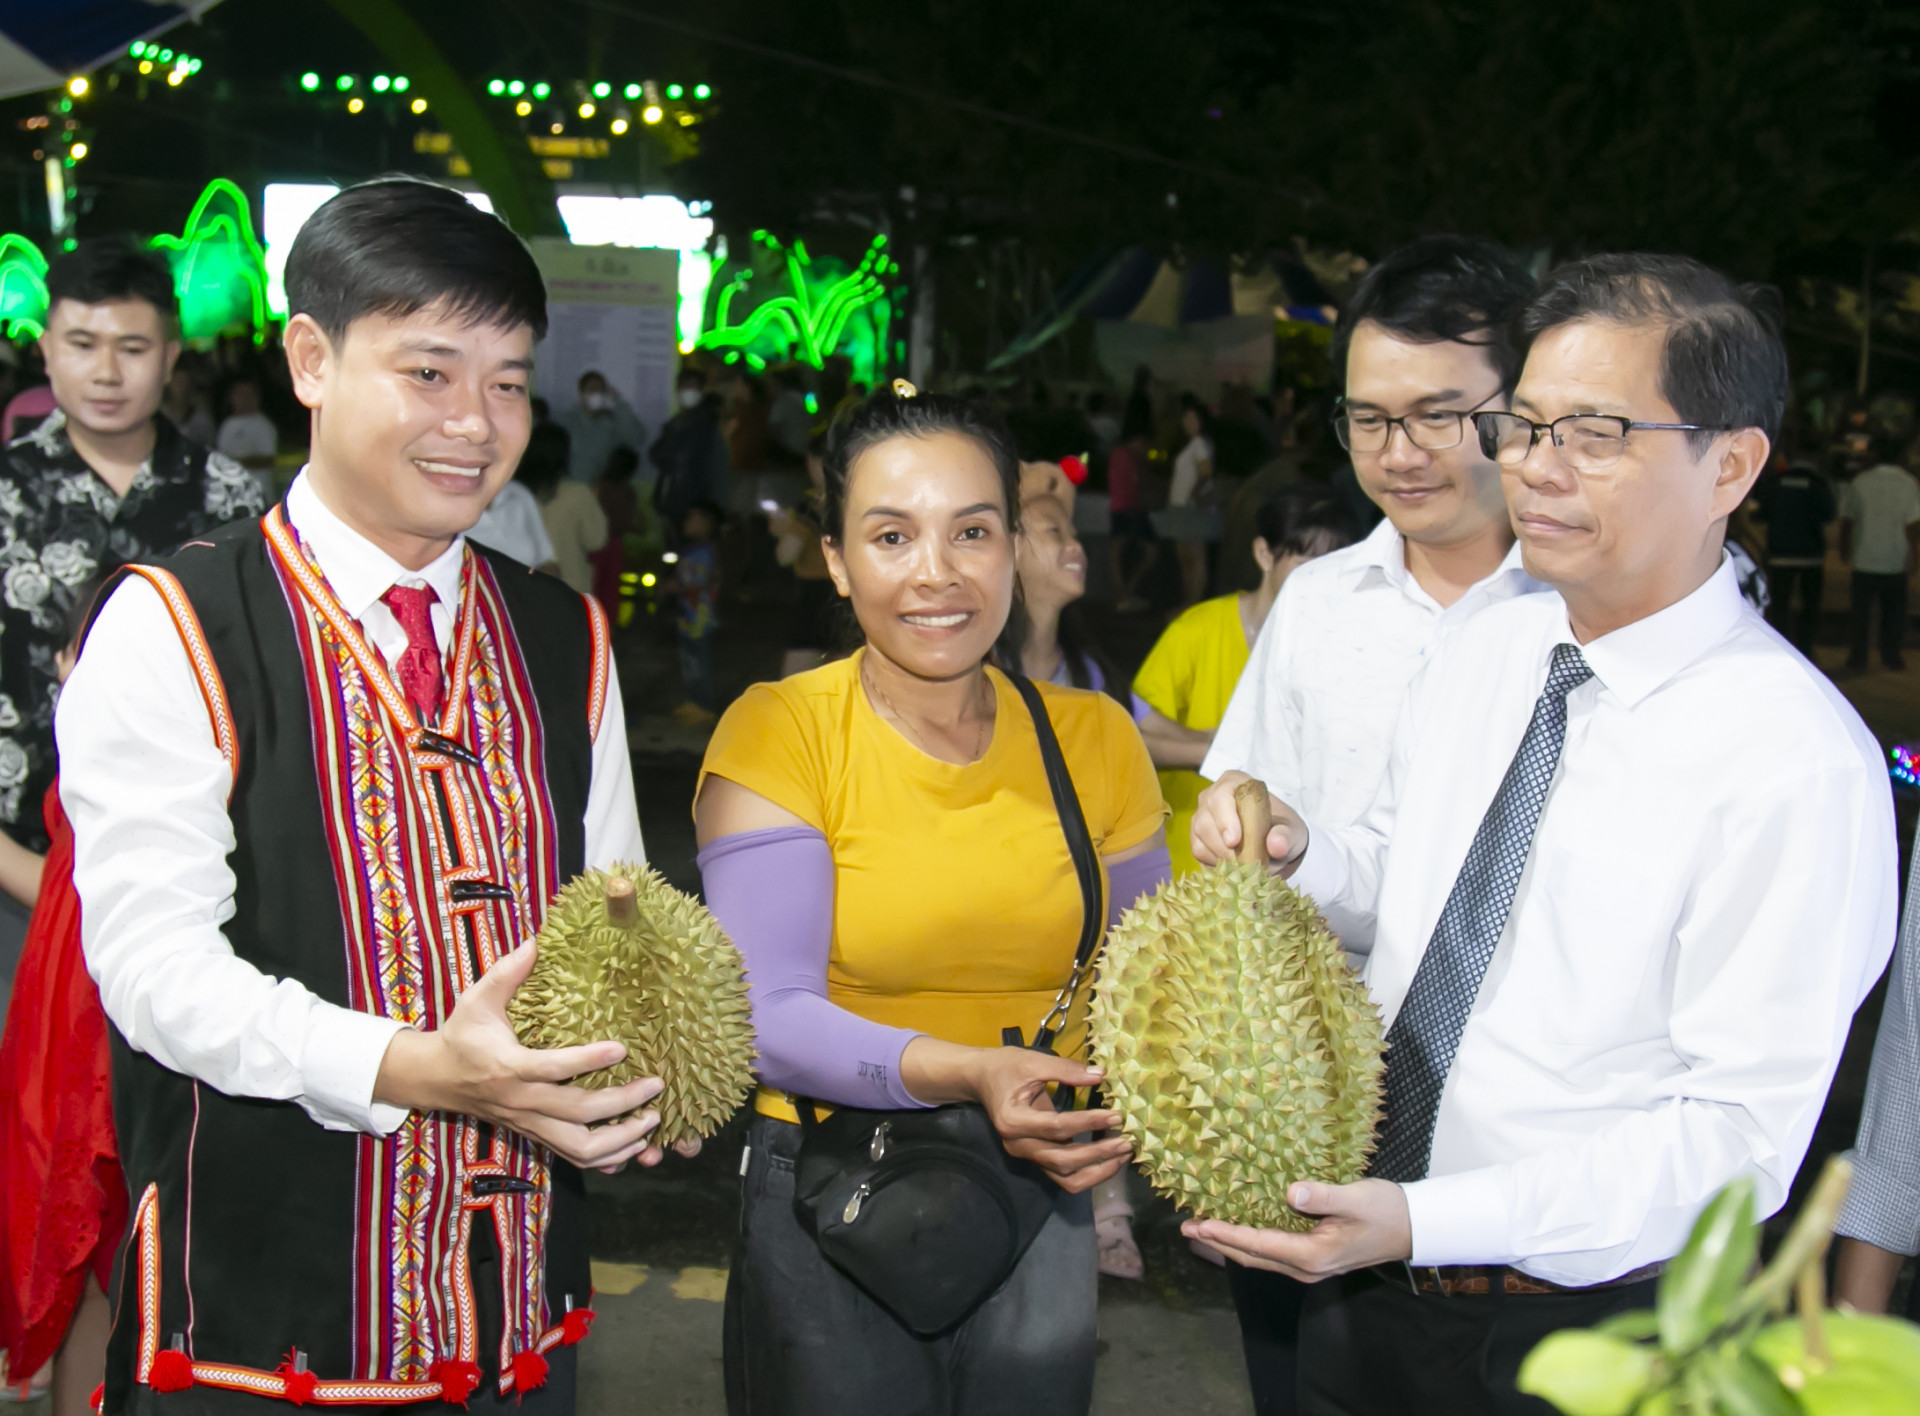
x=696, y=584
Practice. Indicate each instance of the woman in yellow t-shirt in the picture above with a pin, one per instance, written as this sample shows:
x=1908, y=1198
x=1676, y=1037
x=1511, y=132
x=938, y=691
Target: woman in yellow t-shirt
x=878, y=838
x=1181, y=692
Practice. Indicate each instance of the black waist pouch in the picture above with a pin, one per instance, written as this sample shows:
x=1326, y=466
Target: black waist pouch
x=925, y=1210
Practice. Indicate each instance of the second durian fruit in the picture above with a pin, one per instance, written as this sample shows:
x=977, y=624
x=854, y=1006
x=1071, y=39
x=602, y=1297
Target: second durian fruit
x=624, y=955
x=1241, y=1049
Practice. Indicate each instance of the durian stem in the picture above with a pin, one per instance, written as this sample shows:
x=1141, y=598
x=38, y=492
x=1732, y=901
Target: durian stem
x=1256, y=819
x=623, y=907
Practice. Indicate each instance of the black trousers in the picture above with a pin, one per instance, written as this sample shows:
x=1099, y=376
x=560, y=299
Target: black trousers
x=802, y=1339
x=1269, y=1306
x=1890, y=591
x=554, y=1397
x=1369, y=1347
x=1783, y=581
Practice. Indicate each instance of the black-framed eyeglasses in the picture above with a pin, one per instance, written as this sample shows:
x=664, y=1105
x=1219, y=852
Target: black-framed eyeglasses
x=1431, y=429
x=1587, y=441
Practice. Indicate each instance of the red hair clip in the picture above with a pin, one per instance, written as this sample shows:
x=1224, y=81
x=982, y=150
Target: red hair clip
x=1075, y=468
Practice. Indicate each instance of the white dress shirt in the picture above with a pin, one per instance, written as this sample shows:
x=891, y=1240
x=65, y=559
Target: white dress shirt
x=146, y=789
x=1313, y=713
x=1709, y=895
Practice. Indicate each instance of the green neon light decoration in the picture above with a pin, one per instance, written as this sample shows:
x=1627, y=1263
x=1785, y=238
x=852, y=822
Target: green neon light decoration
x=219, y=269
x=825, y=307
x=23, y=288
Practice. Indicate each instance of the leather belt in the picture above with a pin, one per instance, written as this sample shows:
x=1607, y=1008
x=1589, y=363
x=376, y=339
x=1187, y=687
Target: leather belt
x=1478, y=1280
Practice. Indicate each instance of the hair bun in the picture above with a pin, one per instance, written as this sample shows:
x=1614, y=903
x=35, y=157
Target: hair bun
x=903, y=389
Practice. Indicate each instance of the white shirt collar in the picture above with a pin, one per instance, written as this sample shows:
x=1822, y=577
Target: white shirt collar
x=359, y=571
x=1384, y=552
x=1638, y=658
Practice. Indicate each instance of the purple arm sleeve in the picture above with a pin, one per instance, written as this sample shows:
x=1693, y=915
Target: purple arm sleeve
x=772, y=892
x=1129, y=880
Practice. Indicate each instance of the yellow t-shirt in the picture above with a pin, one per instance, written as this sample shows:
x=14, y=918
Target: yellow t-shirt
x=956, y=908
x=1189, y=677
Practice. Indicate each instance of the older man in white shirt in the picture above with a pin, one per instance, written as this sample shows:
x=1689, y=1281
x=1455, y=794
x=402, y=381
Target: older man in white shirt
x=1612, y=820
x=1422, y=344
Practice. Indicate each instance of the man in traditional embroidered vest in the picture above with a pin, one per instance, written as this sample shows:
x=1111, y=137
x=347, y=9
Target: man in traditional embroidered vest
x=325, y=772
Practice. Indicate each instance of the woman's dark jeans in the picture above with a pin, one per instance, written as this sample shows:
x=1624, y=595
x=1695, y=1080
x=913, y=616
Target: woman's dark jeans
x=802, y=1339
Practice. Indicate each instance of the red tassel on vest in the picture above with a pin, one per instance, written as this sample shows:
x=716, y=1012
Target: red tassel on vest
x=529, y=1371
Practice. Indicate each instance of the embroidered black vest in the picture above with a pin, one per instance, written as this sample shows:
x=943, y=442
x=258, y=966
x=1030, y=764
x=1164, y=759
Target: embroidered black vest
x=384, y=866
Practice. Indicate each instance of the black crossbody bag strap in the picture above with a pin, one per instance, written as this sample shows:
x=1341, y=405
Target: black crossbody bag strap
x=1086, y=866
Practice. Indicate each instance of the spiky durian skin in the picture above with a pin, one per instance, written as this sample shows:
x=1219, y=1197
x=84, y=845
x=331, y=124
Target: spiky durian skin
x=1242, y=1051
x=670, y=986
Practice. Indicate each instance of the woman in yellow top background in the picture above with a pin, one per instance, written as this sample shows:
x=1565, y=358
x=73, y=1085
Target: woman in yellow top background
x=879, y=838
x=1181, y=692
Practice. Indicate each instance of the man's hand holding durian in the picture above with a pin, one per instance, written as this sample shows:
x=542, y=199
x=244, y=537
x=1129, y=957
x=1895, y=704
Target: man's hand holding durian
x=1216, y=827
x=1360, y=1224
x=474, y=1065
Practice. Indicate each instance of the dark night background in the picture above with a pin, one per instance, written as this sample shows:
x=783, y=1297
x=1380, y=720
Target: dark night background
x=1016, y=141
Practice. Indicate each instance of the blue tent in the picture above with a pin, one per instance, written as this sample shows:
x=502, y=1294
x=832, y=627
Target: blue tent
x=45, y=42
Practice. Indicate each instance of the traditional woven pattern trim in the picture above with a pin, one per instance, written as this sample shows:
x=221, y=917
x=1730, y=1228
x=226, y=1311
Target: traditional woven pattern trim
x=251, y=1379
x=146, y=1228
x=212, y=689
x=602, y=665
x=404, y=823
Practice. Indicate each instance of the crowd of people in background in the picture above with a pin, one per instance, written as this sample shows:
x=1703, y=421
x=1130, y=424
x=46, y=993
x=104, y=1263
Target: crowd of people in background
x=1280, y=564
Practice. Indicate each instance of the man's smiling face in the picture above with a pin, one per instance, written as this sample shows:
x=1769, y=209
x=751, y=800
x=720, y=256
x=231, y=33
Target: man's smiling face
x=419, y=421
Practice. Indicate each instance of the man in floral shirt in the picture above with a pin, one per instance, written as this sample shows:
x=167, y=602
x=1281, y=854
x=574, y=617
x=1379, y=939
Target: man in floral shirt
x=105, y=480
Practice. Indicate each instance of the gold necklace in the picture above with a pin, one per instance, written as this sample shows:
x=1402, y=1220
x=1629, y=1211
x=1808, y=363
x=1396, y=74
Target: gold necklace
x=980, y=734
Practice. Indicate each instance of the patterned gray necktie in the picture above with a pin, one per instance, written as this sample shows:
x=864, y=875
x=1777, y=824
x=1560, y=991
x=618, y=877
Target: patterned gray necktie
x=1425, y=1035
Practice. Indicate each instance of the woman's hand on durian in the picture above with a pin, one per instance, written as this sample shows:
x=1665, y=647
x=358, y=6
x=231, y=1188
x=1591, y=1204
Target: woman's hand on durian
x=474, y=1065
x=1216, y=827
x=1011, y=1083
x=1361, y=1224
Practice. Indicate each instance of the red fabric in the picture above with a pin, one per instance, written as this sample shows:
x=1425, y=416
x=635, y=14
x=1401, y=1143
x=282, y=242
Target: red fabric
x=529, y=1371
x=172, y=1371
x=458, y=1380
x=298, y=1387
x=419, y=668
x=609, y=564
x=574, y=1326
x=1124, y=473
x=64, y=1198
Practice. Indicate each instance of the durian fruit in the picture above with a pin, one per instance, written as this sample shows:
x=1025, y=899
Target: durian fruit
x=624, y=955
x=1241, y=1049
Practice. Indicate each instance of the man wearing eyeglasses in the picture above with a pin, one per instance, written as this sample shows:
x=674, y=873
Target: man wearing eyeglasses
x=1629, y=873
x=1422, y=344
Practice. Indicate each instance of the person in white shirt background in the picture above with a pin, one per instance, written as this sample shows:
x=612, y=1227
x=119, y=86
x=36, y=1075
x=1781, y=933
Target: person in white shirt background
x=257, y=1074
x=246, y=434
x=513, y=525
x=1423, y=342
x=1612, y=820
x=601, y=421
x=1191, y=523
x=1880, y=539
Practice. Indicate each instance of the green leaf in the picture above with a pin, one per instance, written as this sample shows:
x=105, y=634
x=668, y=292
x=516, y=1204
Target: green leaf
x=1587, y=1373
x=1702, y=1280
x=1875, y=1369
x=1744, y=1386
x=1640, y=1323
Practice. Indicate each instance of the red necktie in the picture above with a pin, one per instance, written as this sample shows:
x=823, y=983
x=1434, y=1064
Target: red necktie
x=419, y=666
